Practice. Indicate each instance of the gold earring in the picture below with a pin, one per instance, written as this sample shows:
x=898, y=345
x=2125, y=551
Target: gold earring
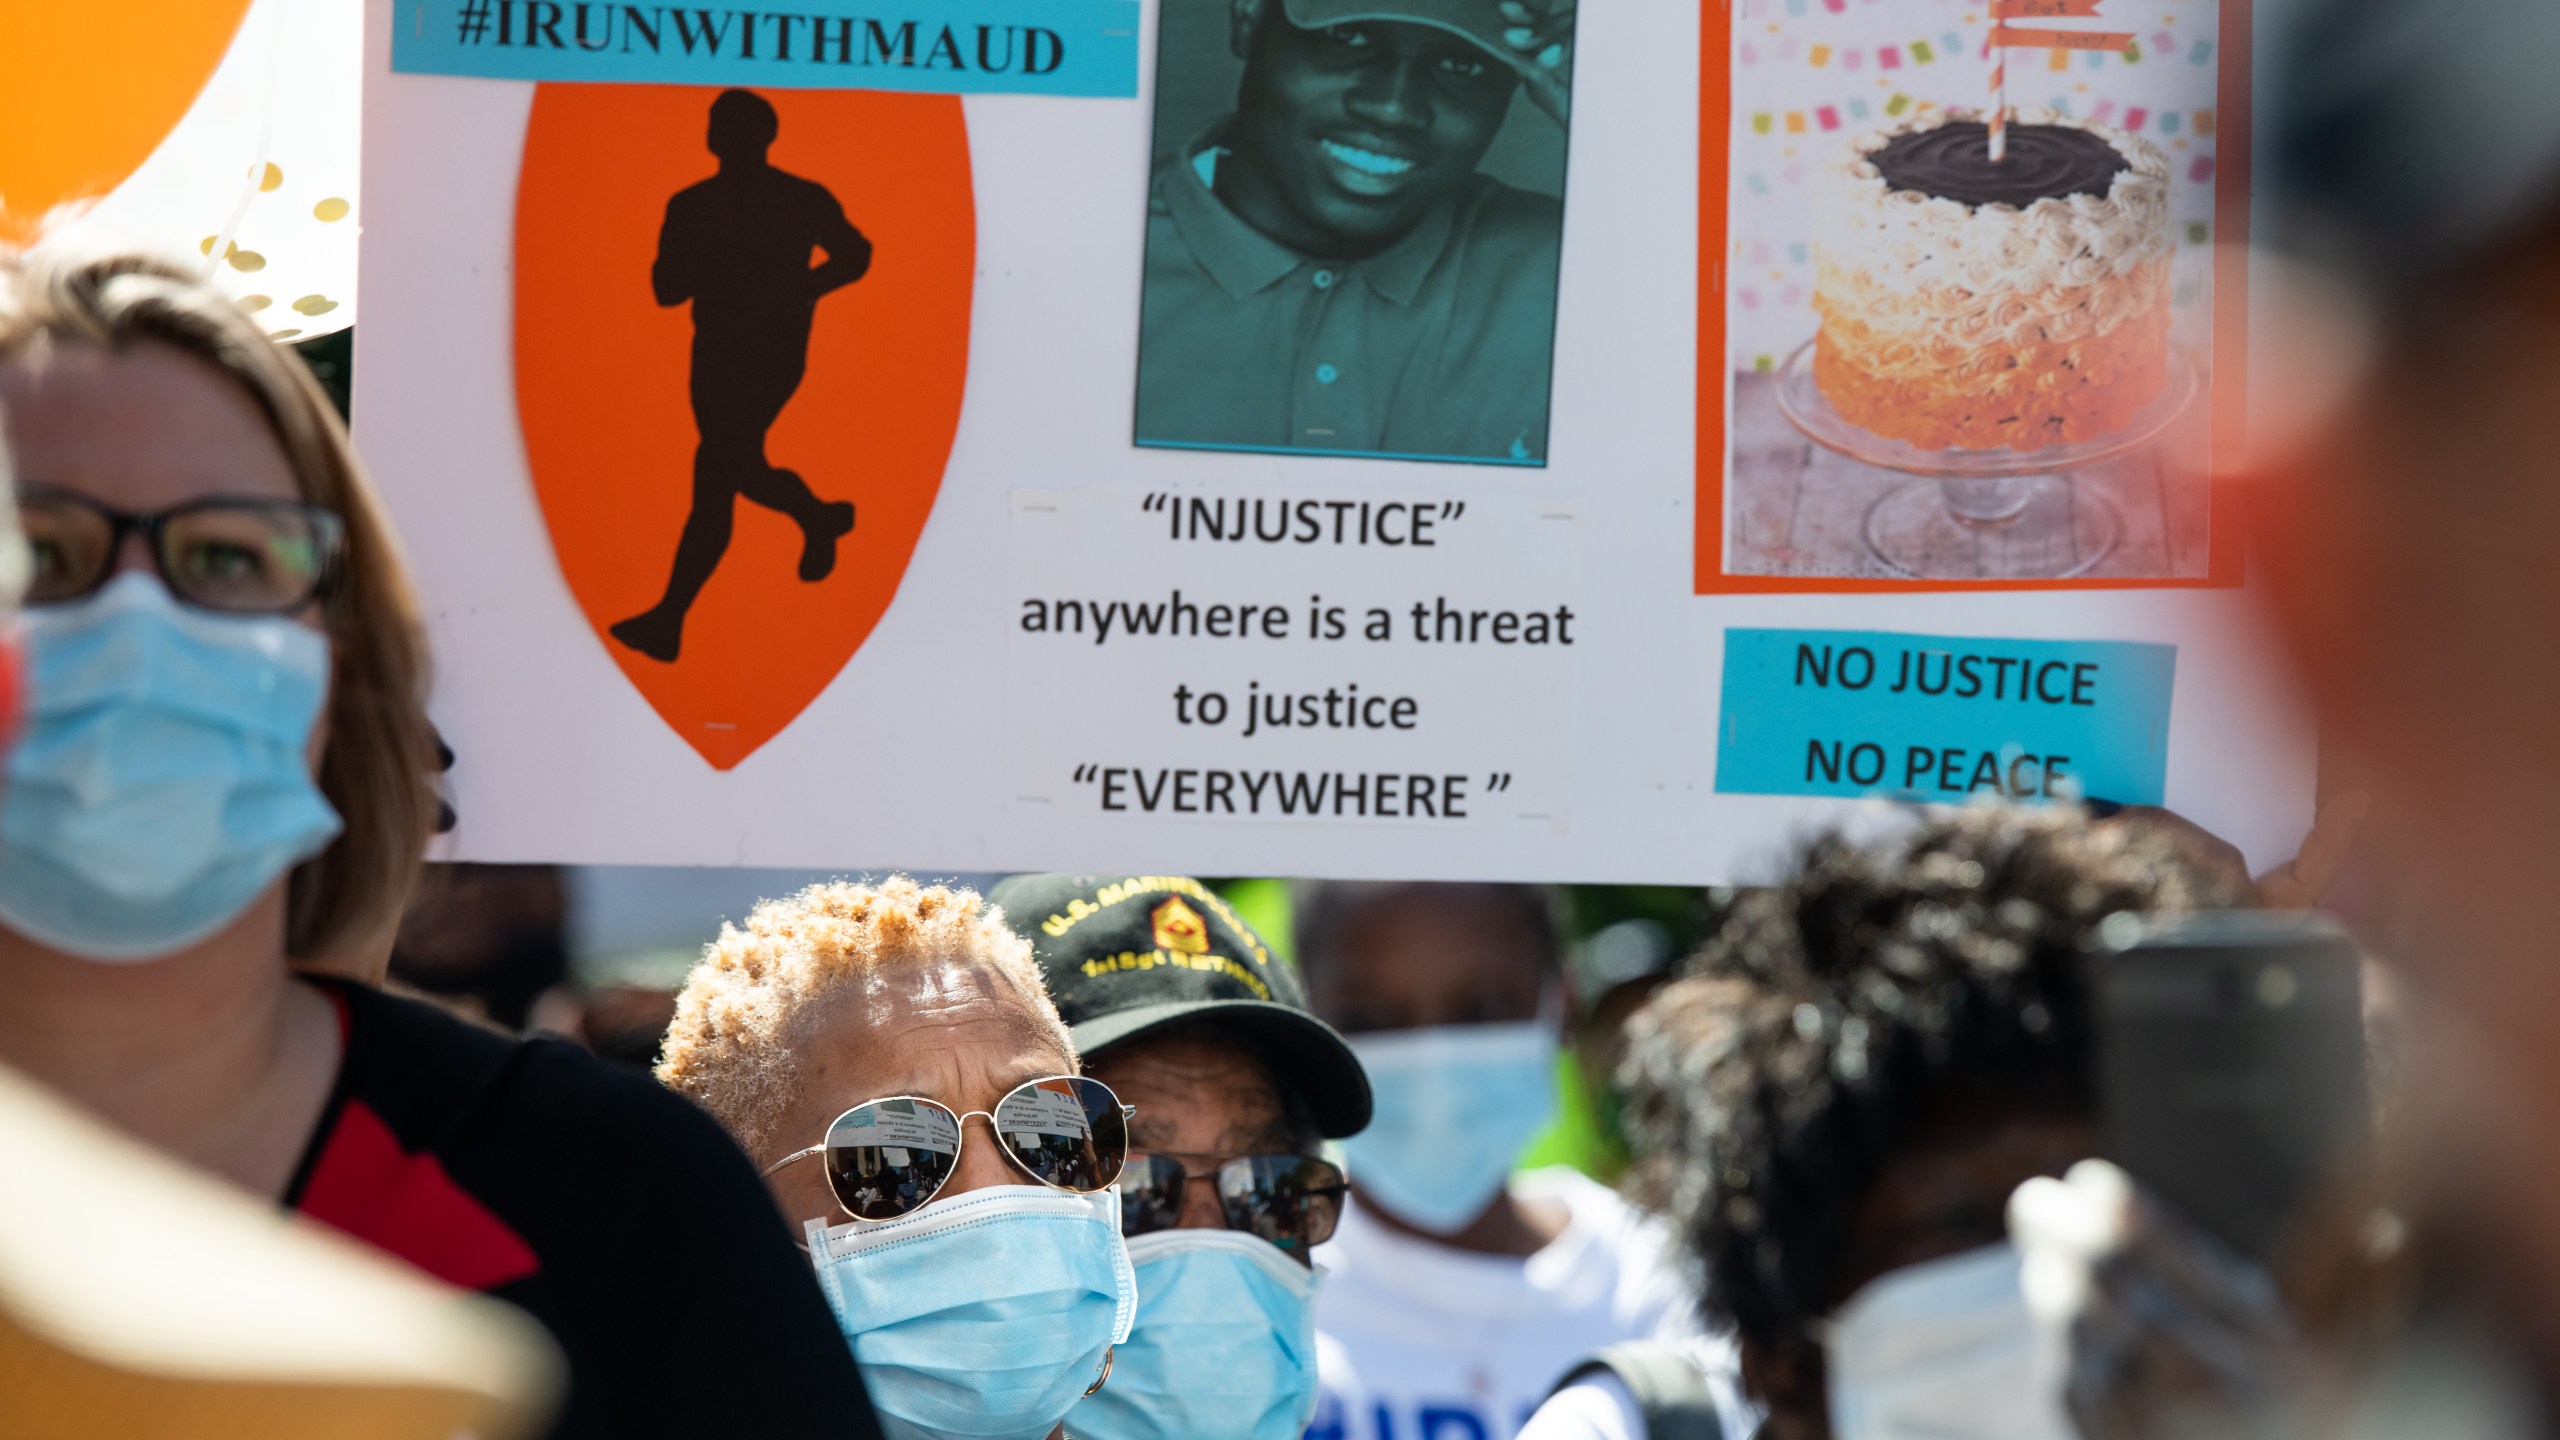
x=1107, y=1353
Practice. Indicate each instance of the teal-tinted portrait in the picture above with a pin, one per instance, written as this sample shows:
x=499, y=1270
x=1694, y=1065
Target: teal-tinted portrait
x=1354, y=227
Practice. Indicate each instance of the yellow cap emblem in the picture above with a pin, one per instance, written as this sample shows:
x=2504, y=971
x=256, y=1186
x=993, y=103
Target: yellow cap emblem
x=1180, y=928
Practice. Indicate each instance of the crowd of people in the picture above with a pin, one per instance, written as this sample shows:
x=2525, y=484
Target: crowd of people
x=1099, y=1156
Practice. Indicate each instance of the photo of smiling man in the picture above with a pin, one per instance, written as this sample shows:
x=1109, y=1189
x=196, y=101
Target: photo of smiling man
x=1352, y=240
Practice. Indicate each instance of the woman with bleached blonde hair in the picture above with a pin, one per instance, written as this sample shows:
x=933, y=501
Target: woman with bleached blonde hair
x=889, y=1055
x=212, y=817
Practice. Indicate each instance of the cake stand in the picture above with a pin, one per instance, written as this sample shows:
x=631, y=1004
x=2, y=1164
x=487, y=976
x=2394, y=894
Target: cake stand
x=1984, y=514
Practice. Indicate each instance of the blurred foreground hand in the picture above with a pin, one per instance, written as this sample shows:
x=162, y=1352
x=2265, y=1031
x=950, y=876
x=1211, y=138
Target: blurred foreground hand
x=2301, y=883
x=2170, y=1334
x=2164, y=1333
x=139, y=1298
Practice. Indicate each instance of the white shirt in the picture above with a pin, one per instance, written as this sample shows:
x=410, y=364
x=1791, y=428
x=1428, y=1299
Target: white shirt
x=1420, y=1341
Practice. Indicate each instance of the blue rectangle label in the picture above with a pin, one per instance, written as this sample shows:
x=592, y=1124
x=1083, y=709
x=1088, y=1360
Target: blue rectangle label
x=1036, y=47
x=1941, y=718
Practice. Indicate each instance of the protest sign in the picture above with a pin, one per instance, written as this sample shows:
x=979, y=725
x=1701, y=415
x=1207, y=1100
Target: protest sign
x=1038, y=47
x=1943, y=718
x=1217, y=481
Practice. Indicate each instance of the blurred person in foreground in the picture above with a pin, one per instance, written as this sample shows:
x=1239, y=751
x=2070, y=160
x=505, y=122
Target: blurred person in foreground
x=211, y=823
x=1178, y=1005
x=2416, y=534
x=891, y=1058
x=227, y=1324
x=2404, y=450
x=1459, y=1293
x=1837, y=1105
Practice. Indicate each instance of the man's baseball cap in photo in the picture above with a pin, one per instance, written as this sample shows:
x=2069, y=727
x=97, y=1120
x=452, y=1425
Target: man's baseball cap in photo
x=1478, y=20
x=1125, y=955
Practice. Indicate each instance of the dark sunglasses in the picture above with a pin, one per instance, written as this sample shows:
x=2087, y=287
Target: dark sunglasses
x=888, y=1157
x=1293, y=1201
x=243, y=555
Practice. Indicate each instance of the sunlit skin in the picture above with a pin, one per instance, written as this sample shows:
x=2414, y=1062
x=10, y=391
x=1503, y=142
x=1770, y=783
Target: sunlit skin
x=1345, y=136
x=215, y=1053
x=1199, y=1103
x=1411, y=958
x=1948, y=1194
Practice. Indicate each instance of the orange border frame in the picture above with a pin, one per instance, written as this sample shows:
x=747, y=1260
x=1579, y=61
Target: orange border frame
x=2226, y=548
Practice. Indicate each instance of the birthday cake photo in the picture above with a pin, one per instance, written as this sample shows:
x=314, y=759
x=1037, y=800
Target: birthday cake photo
x=1968, y=303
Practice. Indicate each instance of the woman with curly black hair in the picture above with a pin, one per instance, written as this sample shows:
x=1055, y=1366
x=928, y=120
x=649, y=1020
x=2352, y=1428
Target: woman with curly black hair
x=1835, y=1106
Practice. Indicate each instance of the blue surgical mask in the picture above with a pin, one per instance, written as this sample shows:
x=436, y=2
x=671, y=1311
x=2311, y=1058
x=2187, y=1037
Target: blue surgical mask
x=1224, y=1347
x=985, y=1316
x=161, y=785
x=1456, y=1104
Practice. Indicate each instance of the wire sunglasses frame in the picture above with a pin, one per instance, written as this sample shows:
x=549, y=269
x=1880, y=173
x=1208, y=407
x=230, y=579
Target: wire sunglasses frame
x=1109, y=1161
x=1320, y=1226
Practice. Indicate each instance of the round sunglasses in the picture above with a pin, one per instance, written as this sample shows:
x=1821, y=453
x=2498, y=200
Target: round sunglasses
x=889, y=1157
x=1293, y=1201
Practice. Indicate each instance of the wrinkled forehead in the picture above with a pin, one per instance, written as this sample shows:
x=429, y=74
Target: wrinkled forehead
x=946, y=981
x=1197, y=1088
x=947, y=1016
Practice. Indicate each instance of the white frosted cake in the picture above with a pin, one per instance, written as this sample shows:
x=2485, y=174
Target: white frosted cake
x=1975, y=305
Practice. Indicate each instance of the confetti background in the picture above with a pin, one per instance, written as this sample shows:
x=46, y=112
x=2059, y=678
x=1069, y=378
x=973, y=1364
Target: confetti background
x=257, y=183
x=1808, y=75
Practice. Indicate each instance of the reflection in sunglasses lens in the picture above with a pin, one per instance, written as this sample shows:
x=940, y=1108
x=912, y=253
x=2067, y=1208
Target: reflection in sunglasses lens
x=891, y=1156
x=1290, y=1200
x=1068, y=1132
x=1150, y=1195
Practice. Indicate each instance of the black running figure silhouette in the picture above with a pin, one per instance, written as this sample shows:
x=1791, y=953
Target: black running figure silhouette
x=739, y=247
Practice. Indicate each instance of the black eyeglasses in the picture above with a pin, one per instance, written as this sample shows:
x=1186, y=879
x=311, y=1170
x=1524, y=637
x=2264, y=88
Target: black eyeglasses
x=241, y=554
x=1293, y=1201
x=890, y=1156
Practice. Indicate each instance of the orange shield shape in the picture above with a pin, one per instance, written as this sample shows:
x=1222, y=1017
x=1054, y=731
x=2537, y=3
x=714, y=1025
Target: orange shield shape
x=738, y=375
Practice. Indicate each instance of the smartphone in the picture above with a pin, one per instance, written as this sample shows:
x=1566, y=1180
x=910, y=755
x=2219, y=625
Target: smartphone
x=2231, y=1067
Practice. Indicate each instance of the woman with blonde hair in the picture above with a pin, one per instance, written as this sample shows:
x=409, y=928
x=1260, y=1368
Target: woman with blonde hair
x=210, y=822
x=855, y=1038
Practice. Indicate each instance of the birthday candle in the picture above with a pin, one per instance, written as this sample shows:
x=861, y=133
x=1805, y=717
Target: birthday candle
x=1999, y=96
x=1995, y=48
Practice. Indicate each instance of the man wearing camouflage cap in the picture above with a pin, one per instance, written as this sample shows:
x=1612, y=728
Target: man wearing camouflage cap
x=1326, y=270
x=1177, y=1005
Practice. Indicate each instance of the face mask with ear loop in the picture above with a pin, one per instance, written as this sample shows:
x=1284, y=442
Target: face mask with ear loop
x=985, y=1316
x=1944, y=1350
x=1224, y=1347
x=161, y=784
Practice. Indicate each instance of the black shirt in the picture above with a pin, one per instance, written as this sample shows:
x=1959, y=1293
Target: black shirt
x=613, y=1211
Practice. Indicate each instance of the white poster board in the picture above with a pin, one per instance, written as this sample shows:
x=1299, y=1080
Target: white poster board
x=1545, y=687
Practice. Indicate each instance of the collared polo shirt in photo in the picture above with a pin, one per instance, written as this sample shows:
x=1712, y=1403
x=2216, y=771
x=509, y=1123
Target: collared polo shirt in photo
x=1438, y=347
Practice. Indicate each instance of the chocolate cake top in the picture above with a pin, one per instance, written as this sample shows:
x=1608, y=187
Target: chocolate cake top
x=1953, y=162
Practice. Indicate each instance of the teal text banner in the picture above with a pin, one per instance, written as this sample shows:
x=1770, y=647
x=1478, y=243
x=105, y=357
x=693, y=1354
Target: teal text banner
x=1035, y=47
x=1941, y=718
